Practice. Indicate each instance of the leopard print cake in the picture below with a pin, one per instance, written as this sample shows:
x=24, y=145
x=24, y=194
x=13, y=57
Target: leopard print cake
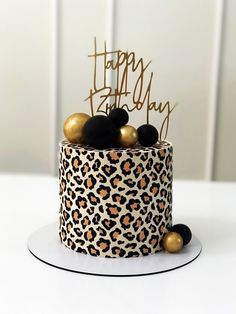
x=115, y=202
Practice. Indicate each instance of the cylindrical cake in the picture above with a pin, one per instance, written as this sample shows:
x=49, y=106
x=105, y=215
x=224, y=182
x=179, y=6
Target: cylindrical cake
x=115, y=202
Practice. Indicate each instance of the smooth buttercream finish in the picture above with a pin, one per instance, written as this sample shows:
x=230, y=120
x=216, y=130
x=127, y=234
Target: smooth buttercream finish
x=115, y=202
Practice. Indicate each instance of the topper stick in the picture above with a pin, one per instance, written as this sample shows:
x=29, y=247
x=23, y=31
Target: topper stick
x=91, y=102
x=147, y=114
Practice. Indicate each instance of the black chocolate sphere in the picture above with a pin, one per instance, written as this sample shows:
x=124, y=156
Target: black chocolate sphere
x=184, y=231
x=147, y=135
x=119, y=117
x=100, y=132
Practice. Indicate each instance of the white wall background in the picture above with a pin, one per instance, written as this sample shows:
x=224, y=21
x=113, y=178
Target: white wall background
x=45, y=75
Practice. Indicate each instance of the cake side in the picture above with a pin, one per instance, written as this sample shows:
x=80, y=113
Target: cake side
x=115, y=202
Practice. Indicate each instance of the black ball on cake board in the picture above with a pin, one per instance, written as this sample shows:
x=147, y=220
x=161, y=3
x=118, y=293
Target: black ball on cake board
x=119, y=117
x=184, y=231
x=100, y=132
x=147, y=135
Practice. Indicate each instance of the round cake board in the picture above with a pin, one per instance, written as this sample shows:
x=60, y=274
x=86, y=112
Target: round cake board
x=45, y=245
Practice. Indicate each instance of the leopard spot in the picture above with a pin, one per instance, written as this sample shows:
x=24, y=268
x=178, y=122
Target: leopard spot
x=101, y=231
x=120, y=199
x=133, y=205
x=161, y=154
x=81, y=202
x=155, y=189
x=70, y=244
x=112, y=210
x=131, y=246
x=167, y=212
x=138, y=170
x=76, y=163
x=85, y=222
x=118, y=251
x=163, y=192
x=76, y=215
x=143, y=182
x=132, y=193
x=65, y=164
x=114, y=157
x=71, y=193
x=81, y=250
x=68, y=152
x=78, y=232
x=93, y=251
x=157, y=219
x=65, y=215
x=146, y=198
x=90, y=156
x=96, y=219
x=130, y=183
x=158, y=167
x=161, y=205
x=108, y=223
x=90, y=182
x=68, y=175
x=68, y=227
x=63, y=234
x=129, y=236
x=108, y=170
x=162, y=229
x=126, y=220
x=101, y=178
x=133, y=254
x=78, y=180
x=149, y=218
x=145, y=250
x=68, y=203
x=103, y=244
x=90, y=235
x=96, y=165
x=142, y=235
x=94, y=200
x=126, y=166
x=115, y=181
x=90, y=210
x=115, y=234
x=138, y=223
x=149, y=164
x=85, y=169
x=104, y=191
x=154, y=241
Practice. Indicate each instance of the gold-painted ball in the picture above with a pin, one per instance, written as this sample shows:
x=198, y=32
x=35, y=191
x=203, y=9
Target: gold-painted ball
x=128, y=136
x=172, y=242
x=73, y=127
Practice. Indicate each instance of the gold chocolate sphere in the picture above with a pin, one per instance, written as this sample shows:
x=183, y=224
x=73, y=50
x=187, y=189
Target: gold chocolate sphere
x=172, y=242
x=73, y=127
x=128, y=136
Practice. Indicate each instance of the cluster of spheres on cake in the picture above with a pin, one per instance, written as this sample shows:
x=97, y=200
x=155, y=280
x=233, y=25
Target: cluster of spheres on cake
x=103, y=132
x=112, y=131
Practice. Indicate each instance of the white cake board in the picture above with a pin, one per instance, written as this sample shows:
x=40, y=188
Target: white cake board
x=46, y=246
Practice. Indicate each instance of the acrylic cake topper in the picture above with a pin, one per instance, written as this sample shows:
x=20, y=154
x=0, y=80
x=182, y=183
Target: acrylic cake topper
x=107, y=95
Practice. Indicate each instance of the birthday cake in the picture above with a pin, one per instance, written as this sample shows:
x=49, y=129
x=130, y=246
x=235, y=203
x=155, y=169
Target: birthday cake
x=115, y=202
x=116, y=185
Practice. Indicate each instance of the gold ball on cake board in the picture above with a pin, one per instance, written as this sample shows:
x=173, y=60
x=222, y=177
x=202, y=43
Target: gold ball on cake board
x=172, y=242
x=73, y=127
x=128, y=136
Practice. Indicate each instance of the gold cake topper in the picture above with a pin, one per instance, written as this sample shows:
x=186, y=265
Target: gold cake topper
x=122, y=64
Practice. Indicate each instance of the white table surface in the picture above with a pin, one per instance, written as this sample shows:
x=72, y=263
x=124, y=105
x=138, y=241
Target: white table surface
x=206, y=285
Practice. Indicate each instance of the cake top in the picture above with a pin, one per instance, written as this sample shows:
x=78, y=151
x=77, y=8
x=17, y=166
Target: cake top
x=112, y=98
x=136, y=149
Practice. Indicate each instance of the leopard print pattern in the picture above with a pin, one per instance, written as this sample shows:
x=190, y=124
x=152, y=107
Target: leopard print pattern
x=115, y=202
